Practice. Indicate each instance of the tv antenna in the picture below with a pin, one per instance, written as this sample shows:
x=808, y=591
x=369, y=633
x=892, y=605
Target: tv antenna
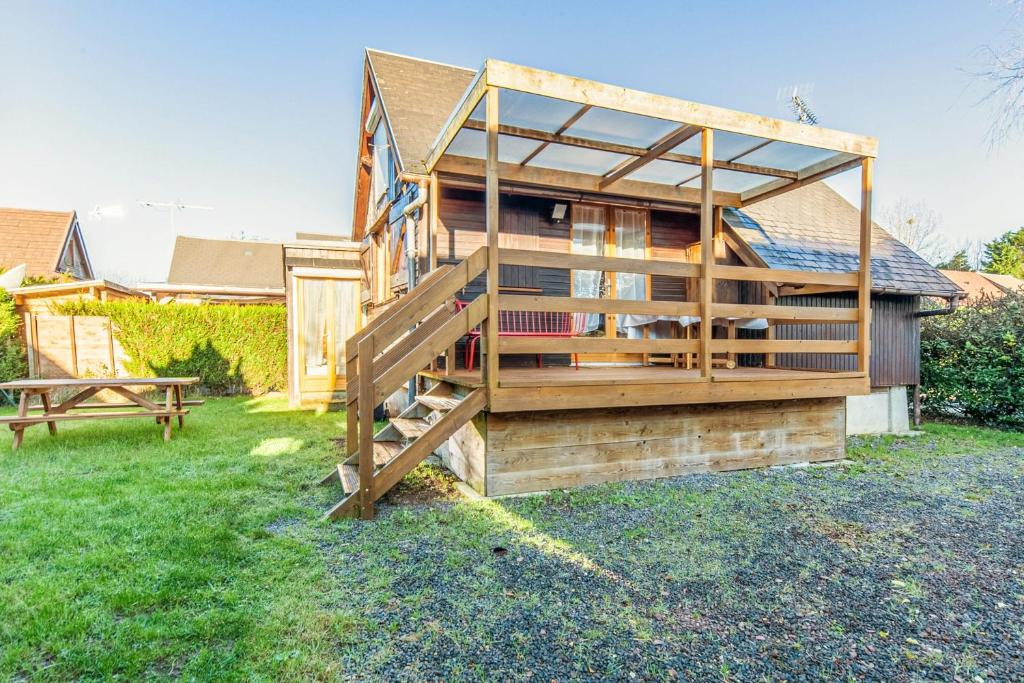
x=797, y=100
x=173, y=207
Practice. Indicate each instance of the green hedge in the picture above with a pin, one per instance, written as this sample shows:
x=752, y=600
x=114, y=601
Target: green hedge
x=233, y=349
x=12, y=354
x=972, y=362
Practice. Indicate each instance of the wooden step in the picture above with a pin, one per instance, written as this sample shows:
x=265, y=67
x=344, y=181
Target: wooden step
x=442, y=403
x=349, y=475
x=385, y=451
x=410, y=428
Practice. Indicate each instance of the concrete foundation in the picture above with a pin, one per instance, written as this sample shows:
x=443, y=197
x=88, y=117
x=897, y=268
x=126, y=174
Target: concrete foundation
x=883, y=411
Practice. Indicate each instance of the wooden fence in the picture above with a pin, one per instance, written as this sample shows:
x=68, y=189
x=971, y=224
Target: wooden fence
x=72, y=346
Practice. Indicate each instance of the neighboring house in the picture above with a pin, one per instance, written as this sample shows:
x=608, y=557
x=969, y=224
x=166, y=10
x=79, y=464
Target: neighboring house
x=977, y=285
x=49, y=243
x=714, y=293
x=223, y=271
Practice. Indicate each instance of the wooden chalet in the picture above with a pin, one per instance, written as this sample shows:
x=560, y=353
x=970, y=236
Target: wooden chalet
x=559, y=281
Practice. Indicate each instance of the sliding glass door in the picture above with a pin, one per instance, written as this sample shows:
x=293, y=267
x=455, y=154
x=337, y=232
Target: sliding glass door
x=599, y=230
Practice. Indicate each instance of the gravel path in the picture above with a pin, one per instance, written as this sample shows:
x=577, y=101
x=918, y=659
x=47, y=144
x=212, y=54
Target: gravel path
x=879, y=570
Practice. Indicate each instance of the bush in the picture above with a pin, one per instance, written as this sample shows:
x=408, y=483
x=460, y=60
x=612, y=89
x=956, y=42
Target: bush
x=972, y=362
x=233, y=349
x=13, y=364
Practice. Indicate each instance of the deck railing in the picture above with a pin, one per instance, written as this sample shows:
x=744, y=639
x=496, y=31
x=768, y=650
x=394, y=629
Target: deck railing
x=691, y=311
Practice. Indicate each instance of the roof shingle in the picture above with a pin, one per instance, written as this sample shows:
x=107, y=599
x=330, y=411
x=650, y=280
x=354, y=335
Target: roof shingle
x=815, y=229
x=35, y=238
x=227, y=263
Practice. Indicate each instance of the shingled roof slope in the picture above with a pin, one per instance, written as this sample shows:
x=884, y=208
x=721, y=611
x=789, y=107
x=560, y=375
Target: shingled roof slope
x=418, y=96
x=227, y=263
x=815, y=229
x=35, y=238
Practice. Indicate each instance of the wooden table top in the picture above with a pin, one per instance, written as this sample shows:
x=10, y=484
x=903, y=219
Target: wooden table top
x=57, y=382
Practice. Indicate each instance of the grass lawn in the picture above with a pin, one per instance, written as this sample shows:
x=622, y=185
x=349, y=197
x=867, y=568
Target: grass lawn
x=127, y=558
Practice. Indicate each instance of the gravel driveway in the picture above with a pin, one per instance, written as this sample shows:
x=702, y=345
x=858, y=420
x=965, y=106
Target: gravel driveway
x=905, y=565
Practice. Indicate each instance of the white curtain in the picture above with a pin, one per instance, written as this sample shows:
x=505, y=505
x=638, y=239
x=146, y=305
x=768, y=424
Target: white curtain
x=630, y=242
x=346, y=311
x=588, y=231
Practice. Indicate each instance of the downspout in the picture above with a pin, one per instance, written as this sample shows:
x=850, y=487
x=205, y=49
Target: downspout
x=953, y=303
x=410, y=244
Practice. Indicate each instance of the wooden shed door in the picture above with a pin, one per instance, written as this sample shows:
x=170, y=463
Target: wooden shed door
x=328, y=314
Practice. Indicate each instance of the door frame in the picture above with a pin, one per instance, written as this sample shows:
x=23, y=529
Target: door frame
x=329, y=382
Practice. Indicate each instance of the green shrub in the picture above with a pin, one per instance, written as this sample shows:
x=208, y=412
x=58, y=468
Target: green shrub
x=972, y=362
x=12, y=354
x=233, y=349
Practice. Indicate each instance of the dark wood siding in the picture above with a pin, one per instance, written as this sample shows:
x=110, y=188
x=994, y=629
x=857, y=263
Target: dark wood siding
x=671, y=233
x=895, y=338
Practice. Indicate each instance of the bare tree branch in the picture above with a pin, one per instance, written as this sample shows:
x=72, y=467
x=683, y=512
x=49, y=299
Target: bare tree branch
x=917, y=226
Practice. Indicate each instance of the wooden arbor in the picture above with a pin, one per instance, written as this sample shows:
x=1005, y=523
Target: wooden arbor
x=839, y=152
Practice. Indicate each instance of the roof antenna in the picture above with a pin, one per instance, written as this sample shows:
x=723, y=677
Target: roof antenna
x=173, y=207
x=797, y=100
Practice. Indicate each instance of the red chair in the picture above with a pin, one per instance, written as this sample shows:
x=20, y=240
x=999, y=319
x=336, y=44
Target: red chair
x=528, y=324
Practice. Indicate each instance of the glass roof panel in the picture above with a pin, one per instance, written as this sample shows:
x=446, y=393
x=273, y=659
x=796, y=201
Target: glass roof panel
x=727, y=145
x=787, y=156
x=608, y=125
x=480, y=112
x=725, y=180
x=578, y=159
x=473, y=143
x=534, y=111
x=664, y=172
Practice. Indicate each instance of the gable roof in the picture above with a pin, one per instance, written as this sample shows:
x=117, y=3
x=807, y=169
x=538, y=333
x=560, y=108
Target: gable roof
x=227, y=263
x=417, y=96
x=815, y=229
x=1007, y=283
x=35, y=238
x=977, y=285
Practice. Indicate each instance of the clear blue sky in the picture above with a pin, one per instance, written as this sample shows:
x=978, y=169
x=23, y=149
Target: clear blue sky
x=251, y=107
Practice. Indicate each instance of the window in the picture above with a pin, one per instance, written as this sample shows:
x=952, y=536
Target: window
x=381, y=170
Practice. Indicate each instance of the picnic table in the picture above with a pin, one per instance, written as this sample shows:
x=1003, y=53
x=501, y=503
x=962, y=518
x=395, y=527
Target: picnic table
x=173, y=406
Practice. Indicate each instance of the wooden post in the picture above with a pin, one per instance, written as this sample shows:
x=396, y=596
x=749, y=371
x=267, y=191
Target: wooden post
x=493, y=216
x=366, y=407
x=917, y=405
x=434, y=213
x=864, y=282
x=707, y=255
x=74, y=346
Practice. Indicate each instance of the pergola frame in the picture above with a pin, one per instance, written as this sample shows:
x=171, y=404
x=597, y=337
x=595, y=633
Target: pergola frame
x=850, y=151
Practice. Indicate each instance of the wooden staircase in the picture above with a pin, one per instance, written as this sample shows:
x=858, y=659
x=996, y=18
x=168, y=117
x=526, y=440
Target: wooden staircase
x=380, y=359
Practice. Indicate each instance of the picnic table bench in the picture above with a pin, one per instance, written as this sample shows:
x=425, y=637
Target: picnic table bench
x=173, y=406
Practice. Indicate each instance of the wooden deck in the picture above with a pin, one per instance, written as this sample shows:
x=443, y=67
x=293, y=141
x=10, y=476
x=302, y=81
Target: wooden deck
x=553, y=388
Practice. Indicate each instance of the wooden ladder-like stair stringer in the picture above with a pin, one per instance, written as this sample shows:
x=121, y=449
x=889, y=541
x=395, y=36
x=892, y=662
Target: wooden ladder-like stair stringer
x=404, y=443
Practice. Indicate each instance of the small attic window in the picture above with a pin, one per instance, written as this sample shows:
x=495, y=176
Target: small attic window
x=381, y=166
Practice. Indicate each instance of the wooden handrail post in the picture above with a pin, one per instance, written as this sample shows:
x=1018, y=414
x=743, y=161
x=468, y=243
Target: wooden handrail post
x=490, y=367
x=864, y=280
x=366, y=406
x=707, y=255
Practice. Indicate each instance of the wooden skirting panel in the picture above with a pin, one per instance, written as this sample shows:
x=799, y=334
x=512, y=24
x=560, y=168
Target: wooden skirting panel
x=537, y=451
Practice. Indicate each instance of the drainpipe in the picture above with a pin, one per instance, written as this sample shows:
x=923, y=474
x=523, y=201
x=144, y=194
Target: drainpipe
x=953, y=303
x=410, y=245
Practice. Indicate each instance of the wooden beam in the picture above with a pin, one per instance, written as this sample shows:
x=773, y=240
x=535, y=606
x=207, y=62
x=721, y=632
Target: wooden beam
x=864, y=280
x=800, y=277
x=676, y=137
x=596, y=345
x=791, y=313
x=615, y=264
x=581, y=182
x=492, y=197
x=825, y=169
x=546, y=83
x=516, y=302
x=561, y=129
x=474, y=93
x=619, y=148
x=364, y=361
x=707, y=250
x=782, y=346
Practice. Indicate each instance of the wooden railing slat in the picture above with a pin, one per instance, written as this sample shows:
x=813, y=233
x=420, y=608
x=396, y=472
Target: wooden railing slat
x=550, y=259
x=795, y=277
x=520, y=302
x=782, y=346
x=801, y=313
